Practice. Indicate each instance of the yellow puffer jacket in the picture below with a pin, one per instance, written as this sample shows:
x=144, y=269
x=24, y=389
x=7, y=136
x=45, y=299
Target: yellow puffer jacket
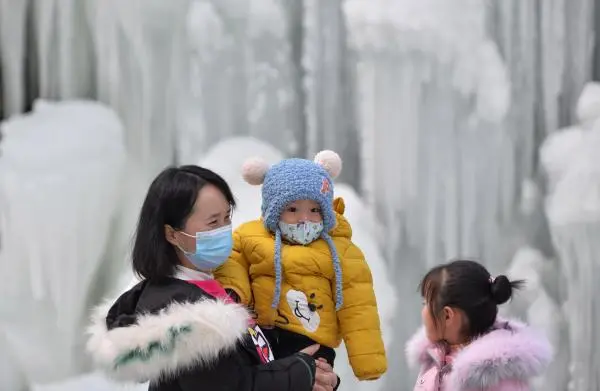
x=307, y=304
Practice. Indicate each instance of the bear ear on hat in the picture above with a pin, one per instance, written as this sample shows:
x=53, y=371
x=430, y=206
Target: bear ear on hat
x=254, y=170
x=330, y=161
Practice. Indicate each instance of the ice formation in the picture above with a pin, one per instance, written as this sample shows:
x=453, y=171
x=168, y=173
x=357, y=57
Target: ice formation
x=365, y=229
x=542, y=312
x=431, y=66
x=588, y=105
x=89, y=382
x=61, y=170
x=437, y=109
x=457, y=39
x=241, y=74
x=238, y=150
x=570, y=160
x=12, y=61
x=452, y=112
x=573, y=209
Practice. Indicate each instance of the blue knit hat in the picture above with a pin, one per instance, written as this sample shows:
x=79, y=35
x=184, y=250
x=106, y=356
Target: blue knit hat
x=292, y=180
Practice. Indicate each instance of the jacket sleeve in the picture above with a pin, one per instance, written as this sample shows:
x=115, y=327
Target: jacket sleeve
x=234, y=273
x=359, y=319
x=293, y=373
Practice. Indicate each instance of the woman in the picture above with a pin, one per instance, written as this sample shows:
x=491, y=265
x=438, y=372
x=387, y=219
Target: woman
x=177, y=328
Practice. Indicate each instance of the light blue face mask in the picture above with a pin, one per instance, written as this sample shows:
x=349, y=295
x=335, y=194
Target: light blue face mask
x=301, y=233
x=212, y=248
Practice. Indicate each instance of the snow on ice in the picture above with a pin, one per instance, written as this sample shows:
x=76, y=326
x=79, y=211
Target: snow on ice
x=60, y=180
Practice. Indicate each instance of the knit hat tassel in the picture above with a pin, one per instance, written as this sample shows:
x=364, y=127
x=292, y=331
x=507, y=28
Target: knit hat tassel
x=277, y=262
x=339, y=297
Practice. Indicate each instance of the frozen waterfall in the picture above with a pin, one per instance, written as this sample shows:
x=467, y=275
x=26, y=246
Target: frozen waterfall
x=439, y=111
x=572, y=163
x=62, y=170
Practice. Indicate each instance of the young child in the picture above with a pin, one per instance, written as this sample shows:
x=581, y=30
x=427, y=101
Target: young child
x=463, y=345
x=299, y=270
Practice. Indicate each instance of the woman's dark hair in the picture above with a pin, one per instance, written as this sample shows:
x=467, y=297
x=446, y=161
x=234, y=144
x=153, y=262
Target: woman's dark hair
x=170, y=201
x=468, y=286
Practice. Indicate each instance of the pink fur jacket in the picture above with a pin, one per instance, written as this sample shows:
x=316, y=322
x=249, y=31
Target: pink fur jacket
x=504, y=359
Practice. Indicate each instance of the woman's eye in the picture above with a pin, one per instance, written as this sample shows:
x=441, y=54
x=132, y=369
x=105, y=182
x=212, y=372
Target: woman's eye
x=213, y=222
x=315, y=210
x=292, y=209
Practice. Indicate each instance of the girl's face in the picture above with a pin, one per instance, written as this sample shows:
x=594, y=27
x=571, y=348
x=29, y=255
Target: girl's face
x=302, y=210
x=448, y=328
x=430, y=326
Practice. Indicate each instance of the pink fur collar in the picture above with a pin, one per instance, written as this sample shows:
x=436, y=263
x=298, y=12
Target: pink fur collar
x=510, y=351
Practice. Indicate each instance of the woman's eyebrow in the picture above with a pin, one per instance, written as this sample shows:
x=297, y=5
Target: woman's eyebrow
x=215, y=215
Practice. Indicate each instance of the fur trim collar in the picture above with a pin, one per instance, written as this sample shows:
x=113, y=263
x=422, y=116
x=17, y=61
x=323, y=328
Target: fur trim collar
x=181, y=336
x=511, y=351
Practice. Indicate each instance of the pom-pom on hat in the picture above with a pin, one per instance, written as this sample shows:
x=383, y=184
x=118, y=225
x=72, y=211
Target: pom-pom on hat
x=292, y=180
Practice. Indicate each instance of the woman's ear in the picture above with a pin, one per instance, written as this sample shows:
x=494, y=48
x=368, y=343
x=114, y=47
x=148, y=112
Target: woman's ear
x=170, y=235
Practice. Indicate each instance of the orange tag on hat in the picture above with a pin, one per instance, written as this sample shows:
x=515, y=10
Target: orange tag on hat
x=325, y=186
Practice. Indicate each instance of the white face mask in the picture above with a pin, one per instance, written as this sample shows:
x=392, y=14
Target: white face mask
x=303, y=233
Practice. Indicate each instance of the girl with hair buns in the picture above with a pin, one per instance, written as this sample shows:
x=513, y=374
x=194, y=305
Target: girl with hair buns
x=463, y=345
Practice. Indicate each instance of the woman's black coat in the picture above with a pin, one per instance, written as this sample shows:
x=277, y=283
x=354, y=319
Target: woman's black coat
x=179, y=338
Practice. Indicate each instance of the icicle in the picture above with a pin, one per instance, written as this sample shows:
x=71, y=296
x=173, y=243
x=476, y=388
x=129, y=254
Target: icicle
x=12, y=60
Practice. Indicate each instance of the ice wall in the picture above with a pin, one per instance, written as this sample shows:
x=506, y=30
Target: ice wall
x=434, y=92
x=129, y=55
x=454, y=102
x=540, y=310
x=238, y=150
x=437, y=109
x=12, y=58
x=438, y=168
x=61, y=170
x=187, y=73
x=365, y=230
x=89, y=382
x=570, y=159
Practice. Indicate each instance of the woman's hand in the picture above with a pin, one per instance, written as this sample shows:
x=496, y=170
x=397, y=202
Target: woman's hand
x=325, y=378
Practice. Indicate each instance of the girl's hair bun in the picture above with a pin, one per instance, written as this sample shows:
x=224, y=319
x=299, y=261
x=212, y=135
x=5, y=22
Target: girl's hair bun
x=502, y=288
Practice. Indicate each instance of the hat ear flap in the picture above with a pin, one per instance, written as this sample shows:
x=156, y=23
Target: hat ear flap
x=254, y=171
x=330, y=161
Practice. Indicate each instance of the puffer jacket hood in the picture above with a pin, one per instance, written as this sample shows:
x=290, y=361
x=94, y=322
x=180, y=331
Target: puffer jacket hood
x=510, y=351
x=131, y=342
